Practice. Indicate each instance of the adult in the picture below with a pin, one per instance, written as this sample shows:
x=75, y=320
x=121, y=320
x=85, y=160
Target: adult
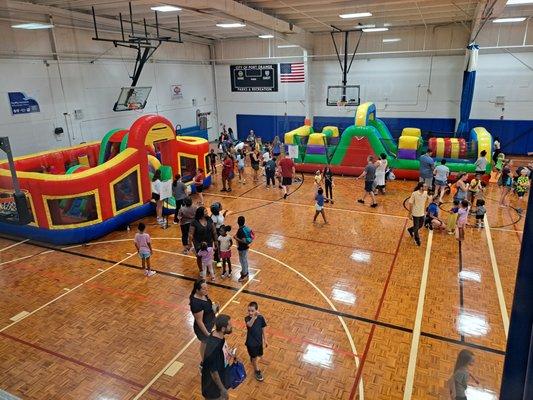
x=288, y=169
x=199, y=184
x=214, y=361
x=203, y=312
x=458, y=383
x=227, y=173
x=185, y=217
x=462, y=188
x=179, y=191
x=156, y=196
x=426, y=169
x=202, y=230
x=442, y=172
x=497, y=149
x=328, y=183
x=255, y=157
x=276, y=146
x=231, y=136
x=381, y=169
x=505, y=182
x=370, y=176
x=266, y=155
x=481, y=163
x=251, y=139
x=417, y=210
x=239, y=146
x=270, y=172
x=218, y=217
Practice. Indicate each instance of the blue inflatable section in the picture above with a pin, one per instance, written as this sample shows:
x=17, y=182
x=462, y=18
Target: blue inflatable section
x=77, y=235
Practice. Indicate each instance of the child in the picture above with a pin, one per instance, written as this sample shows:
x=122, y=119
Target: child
x=370, y=176
x=462, y=220
x=318, y=179
x=225, y=244
x=255, y=336
x=144, y=248
x=221, y=150
x=244, y=238
x=240, y=165
x=480, y=213
x=328, y=183
x=473, y=188
x=206, y=253
x=458, y=383
x=213, y=161
x=278, y=176
x=522, y=186
x=432, y=216
x=270, y=171
x=452, y=218
x=319, y=205
x=199, y=184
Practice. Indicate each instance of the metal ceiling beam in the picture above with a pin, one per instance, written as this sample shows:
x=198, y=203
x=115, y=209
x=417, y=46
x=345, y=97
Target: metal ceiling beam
x=485, y=10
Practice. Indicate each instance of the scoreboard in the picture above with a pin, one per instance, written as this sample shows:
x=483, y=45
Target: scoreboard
x=254, y=78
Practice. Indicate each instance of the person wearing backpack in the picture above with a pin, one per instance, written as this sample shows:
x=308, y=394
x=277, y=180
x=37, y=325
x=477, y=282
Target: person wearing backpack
x=244, y=237
x=270, y=172
x=214, y=362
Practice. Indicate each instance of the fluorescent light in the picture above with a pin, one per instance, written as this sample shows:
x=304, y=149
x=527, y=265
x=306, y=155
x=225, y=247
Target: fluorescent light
x=165, y=8
x=365, y=26
x=503, y=20
x=287, y=46
x=375, y=29
x=266, y=36
x=516, y=2
x=231, y=25
x=33, y=25
x=387, y=24
x=391, y=40
x=356, y=15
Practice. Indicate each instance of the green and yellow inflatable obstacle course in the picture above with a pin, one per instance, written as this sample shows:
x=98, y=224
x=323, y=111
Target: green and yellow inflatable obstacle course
x=347, y=153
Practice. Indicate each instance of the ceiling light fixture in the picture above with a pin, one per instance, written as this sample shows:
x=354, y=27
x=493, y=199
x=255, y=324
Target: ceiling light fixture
x=287, y=46
x=375, y=29
x=365, y=26
x=266, y=36
x=231, y=25
x=33, y=25
x=355, y=15
x=165, y=8
x=504, y=20
x=517, y=2
x=391, y=40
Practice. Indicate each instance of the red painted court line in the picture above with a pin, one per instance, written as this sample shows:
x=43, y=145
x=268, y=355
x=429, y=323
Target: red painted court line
x=378, y=311
x=85, y=365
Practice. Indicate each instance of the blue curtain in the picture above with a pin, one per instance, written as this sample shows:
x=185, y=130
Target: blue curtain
x=467, y=94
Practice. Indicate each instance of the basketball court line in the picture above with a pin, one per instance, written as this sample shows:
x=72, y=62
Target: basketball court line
x=193, y=339
x=497, y=279
x=26, y=257
x=62, y=295
x=13, y=245
x=415, y=340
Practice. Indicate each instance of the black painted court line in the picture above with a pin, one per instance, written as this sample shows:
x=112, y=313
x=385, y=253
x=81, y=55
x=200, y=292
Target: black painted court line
x=461, y=285
x=271, y=297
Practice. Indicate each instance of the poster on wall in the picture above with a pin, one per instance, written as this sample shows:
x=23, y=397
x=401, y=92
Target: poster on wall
x=254, y=78
x=166, y=190
x=293, y=151
x=22, y=104
x=176, y=91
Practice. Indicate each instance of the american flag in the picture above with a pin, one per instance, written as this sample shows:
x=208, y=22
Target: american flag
x=292, y=72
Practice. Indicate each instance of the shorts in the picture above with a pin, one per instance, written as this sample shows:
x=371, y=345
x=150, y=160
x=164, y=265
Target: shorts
x=369, y=186
x=520, y=194
x=225, y=254
x=240, y=167
x=286, y=181
x=156, y=196
x=199, y=188
x=441, y=183
x=480, y=217
x=255, y=166
x=318, y=208
x=427, y=181
x=255, y=351
x=143, y=255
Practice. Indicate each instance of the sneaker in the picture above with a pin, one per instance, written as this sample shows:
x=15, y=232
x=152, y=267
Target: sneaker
x=213, y=278
x=229, y=190
x=224, y=276
x=259, y=376
x=175, y=222
x=326, y=201
x=219, y=264
x=285, y=196
x=374, y=205
x=482, y=225
x=331, y=201
x=417, y=242
x=361, y=201
x=243, y=278
x=410, y=230
x=145, y=272
x=223, y=190
x=150, y=273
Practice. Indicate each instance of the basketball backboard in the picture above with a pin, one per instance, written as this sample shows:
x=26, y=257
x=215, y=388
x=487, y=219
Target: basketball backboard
x=132, y=98
x=346, y=95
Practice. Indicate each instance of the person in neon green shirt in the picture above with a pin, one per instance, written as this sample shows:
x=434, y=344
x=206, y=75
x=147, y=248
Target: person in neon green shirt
x=522, y=186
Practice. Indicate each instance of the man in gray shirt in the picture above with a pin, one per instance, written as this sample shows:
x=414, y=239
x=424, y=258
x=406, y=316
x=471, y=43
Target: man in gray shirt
x=426, y=169
x=370, y=176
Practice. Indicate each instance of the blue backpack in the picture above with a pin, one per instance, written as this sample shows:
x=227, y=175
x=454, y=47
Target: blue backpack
x=235, y=374
x=249, y=235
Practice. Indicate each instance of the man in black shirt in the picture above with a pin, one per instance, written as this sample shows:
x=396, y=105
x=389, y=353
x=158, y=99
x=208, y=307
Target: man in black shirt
x=213, y=366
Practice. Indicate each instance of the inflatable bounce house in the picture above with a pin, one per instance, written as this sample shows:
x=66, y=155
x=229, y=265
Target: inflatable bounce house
x=81, y=193
x=347, y=152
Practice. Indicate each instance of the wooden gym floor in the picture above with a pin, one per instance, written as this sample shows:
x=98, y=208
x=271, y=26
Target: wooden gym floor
x=355, y=309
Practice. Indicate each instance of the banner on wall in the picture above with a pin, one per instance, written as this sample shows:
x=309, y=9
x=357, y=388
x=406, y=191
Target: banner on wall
x=22, y=104
x=254, y=78
x=176, y=91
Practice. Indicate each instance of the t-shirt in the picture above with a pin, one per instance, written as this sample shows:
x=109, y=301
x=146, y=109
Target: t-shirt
x=522, y=184
x=433, y=210
x=227, y=166
x=286, y=166
x=240, y=160
x=481, y=211
x=418, y=201
x=441, y=173
x=218, y=220
x=370, y=170
x=239, y=146
x=254, y=335
x=328, y=176
x=460, y=378
x=206, y=256
x=179, y=191
x=213, y=362
x=319, y=198
x=426, y=166
x=199, y=179
x=203, y=233
x=208, y=317
x=186, y=214
x=463, y=217
x=270, y=166
x=212, y=158
x=225, y=242
x=241, y=235
x=266, y=156
x=142, y=240
x=156, y=186
x=481, y=164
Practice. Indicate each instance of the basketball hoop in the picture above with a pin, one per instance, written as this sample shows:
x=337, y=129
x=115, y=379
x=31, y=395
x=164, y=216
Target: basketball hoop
x=342, y=106
x=134, y=106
